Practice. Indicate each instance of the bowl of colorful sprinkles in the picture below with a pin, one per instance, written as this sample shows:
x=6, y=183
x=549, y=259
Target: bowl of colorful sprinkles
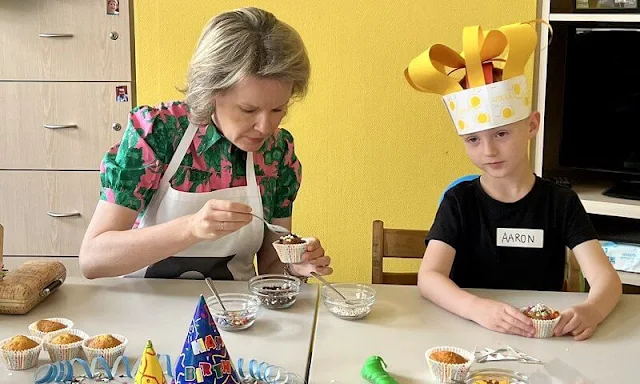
x=275, y=291
x=240, y=310
x=359, y=300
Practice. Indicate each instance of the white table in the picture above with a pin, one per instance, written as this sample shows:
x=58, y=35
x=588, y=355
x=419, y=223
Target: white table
x=161, y=310
x=402, y=326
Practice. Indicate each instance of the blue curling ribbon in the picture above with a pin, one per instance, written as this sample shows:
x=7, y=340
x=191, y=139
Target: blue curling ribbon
x=266, y=373
x=63, y=371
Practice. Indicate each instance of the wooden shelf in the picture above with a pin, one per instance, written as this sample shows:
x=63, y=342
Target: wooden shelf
x=597, y=17
x=629, y=278
x=597, y=203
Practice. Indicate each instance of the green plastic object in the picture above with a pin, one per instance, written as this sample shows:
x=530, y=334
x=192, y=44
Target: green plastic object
x=374, y=371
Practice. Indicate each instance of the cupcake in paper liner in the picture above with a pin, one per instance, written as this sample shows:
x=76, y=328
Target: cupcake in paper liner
x=64, y=344
x=108, y=345
x=41, y=327
x=290, y=248
x=20, y=352
x=544, y=319
x=449, y=364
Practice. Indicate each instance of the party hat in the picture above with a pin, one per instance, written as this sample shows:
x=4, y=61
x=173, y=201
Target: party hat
x=204, y=357
x=150, y=370
x=486, y=96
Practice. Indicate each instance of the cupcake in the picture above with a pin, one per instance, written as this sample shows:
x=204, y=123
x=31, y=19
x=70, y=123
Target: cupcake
x=20, y=352
x=290, y=248
x=449, y=364
x=109, y=346
x=544, y=319
x=41, y=327
x=64, y=344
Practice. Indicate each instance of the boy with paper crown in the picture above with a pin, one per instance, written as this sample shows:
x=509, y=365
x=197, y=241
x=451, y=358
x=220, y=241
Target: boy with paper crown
x=507, y=229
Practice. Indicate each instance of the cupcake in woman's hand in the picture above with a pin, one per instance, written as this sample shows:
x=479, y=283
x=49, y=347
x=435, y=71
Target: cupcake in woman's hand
x=290, y=248
x=544, y=319
x=20, y=352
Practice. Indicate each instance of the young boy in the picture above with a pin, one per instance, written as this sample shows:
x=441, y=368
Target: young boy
x=508, y=229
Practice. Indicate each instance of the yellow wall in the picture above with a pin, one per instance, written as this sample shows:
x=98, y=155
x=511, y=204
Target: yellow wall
x=371, y=146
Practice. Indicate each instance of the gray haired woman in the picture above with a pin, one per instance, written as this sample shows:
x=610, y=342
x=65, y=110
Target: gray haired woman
x=180, y=192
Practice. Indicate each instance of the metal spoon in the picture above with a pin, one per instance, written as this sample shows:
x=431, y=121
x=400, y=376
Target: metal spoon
x=274, y=228
x=215, y=293
x=327, y=284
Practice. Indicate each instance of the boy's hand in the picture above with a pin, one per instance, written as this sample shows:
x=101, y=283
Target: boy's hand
x=580, y=321
x=501, y=317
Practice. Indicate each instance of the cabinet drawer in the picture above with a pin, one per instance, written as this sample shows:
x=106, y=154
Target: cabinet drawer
x=46, y=213
x=64, y=40
x=34, y=115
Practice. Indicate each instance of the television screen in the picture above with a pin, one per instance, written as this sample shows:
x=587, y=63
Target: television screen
x=601, y=111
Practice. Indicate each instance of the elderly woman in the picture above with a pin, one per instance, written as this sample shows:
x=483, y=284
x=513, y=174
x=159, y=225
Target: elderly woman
x=180, y=192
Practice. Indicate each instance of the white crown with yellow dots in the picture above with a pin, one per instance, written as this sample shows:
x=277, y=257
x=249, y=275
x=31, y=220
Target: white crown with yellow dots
x=477, y=103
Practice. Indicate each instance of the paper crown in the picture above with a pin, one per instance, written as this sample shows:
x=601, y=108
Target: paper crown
x=150, y=370
x=485, y=98
x=204, y=357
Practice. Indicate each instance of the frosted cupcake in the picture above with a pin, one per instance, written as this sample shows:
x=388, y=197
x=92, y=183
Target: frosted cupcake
x=449, y=364
x=41, y=327
x=64, y=344
x=290, y=248
x=20, y=352
x=544, y=319
x=109, y=346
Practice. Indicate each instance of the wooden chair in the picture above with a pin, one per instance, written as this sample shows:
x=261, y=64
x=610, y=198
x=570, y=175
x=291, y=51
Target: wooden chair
x=409, y=244
x=573, y=274
x=398, y=244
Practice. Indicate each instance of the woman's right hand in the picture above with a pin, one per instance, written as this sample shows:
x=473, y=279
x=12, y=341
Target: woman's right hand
x=218, y=218
x=501, y=317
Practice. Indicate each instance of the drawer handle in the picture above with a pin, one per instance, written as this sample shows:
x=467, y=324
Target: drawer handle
x=56, y=35
x=63, y=126
x=58, y=214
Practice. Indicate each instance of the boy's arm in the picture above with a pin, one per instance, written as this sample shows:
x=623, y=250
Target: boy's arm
x=434, y=284
x=605, y=291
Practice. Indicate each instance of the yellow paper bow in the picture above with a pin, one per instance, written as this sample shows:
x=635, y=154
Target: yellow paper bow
x=428, y=71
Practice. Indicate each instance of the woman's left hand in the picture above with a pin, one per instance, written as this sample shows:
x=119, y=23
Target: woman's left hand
x=313, y=260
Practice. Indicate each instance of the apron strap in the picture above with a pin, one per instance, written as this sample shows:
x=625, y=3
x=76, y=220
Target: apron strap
x=178, y=155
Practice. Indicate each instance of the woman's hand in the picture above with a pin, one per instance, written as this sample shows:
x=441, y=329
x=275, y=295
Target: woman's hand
x=501, y=317
x=218, y=218
x=313, y=260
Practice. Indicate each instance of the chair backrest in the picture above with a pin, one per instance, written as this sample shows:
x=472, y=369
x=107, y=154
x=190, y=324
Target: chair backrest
x=399, y=244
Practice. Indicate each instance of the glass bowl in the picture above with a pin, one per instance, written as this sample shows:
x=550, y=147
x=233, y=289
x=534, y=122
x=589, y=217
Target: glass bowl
x=500, y=375
x=360, y=299
x=275, y=291
x=242, y=310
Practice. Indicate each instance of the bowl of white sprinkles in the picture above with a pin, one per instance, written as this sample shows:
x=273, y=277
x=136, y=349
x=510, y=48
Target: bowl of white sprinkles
x=360, y=299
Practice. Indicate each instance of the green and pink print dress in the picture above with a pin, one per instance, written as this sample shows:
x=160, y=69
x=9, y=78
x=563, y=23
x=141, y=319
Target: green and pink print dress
x=131, y=170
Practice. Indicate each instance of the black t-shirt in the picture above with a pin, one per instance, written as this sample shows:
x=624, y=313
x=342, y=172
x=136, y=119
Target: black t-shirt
x=518, y=245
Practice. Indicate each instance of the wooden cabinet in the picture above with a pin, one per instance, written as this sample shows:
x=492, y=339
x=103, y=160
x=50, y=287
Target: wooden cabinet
x=46, y=213
x=65, y=125
x=62, y=65
x=72, y=40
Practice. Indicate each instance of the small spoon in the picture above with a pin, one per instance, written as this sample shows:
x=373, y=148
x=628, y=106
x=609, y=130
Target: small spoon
x=278, y=230
x=327, y=284
x=215, y=293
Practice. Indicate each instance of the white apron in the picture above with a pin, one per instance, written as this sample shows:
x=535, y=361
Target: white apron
x=230, y=256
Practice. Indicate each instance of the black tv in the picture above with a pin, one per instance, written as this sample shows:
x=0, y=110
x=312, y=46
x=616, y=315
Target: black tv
x=601, y=106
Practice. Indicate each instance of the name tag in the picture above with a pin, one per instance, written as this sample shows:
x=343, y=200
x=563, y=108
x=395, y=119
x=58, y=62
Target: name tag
x=520, y=237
